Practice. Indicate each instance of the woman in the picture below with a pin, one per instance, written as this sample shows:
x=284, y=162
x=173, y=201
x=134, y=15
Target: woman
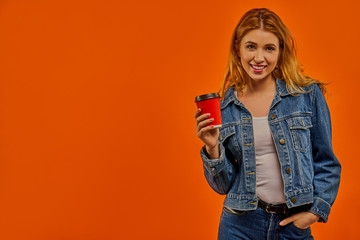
x=273, y=155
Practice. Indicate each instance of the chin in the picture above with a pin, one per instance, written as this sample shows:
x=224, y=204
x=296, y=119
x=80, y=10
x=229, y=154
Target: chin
x=260, y=78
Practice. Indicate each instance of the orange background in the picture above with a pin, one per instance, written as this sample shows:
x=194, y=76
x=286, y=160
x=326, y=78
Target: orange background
x=97, y=128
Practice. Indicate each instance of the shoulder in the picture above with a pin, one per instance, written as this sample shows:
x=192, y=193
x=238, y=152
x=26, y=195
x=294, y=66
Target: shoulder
x=314, y=87
x=316, y=92
x=228, y=97
x=313, y=91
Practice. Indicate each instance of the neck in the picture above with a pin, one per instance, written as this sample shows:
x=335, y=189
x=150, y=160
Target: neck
x=262, y=87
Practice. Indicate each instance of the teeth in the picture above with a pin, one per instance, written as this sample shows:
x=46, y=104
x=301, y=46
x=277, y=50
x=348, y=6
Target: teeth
x=258, y=67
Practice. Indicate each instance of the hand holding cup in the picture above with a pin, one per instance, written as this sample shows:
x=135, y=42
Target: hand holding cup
x=208, y=120
x=207, y=133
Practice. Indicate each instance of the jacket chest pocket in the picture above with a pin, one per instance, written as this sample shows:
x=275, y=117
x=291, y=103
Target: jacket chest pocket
x=226, y=133
x=300, y=132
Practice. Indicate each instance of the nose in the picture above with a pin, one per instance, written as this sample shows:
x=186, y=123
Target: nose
x=259, y=56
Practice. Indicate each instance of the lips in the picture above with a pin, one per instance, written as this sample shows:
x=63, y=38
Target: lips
x=258, y=68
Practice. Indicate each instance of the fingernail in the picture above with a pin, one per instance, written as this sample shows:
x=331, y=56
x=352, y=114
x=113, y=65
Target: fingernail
x=211, y=119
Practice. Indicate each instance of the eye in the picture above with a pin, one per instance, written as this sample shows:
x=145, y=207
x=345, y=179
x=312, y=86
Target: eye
x=270, y=49
x=250, y=47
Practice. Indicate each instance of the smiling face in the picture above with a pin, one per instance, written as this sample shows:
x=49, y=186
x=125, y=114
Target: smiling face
x=259, y=54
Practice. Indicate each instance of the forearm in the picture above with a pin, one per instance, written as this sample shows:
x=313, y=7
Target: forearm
x=326, y=184
x=219, y=172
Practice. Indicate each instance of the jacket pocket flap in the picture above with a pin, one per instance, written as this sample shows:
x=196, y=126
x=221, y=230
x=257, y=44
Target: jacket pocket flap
x=299, y=122
x=226, y=132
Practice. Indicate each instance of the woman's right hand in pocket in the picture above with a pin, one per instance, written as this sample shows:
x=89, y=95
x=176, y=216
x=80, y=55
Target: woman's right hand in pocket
x=208, y=134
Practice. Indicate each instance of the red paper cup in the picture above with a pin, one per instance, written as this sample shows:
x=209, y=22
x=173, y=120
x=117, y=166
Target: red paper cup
x=210, y=103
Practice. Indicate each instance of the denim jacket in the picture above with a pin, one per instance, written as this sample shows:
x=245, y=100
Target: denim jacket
x=301, y=129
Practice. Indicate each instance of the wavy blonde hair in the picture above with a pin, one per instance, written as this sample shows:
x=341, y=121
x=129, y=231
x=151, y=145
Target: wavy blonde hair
x=287, y=69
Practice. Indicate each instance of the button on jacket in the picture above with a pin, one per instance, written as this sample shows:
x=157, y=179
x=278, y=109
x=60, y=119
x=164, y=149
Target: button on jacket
x=301, y=129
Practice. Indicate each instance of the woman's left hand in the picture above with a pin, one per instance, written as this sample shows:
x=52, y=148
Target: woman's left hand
x=301, y=220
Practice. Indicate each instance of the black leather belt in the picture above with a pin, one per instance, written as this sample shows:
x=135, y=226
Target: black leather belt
x=273, y=208
x=282, y=208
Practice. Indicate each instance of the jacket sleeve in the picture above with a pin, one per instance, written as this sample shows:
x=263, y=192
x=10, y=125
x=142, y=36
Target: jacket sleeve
x=327, y=168
x=220, y=172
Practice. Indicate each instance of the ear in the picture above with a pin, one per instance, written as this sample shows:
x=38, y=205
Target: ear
x=236, y=46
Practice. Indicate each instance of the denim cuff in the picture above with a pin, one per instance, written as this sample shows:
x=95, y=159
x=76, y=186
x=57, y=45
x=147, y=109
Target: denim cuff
x=320, y=208
x=213, y=166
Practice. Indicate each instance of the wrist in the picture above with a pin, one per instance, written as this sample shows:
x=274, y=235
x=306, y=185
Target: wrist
x=213, y=152
x=315, y=216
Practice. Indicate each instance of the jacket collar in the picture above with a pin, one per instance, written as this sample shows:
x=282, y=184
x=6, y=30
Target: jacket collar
x=230, y=96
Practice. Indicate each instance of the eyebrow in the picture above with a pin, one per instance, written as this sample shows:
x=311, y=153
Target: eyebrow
x=268, y=44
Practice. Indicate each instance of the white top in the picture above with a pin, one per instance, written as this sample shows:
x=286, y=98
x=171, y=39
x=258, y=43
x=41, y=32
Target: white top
x=269, y=183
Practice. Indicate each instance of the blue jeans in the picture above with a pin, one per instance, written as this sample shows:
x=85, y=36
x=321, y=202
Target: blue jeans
x=258, y=225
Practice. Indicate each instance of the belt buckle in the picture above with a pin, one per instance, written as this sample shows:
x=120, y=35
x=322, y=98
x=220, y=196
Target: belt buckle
x=268, y=210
